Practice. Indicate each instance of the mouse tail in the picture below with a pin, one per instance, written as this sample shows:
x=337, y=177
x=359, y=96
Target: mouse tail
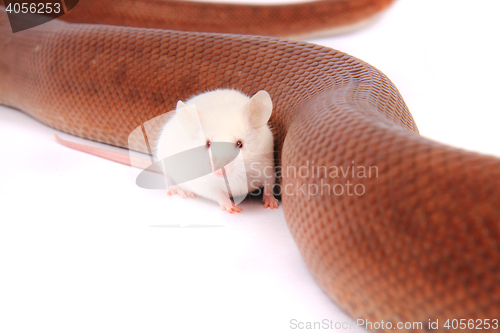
x=118, y=157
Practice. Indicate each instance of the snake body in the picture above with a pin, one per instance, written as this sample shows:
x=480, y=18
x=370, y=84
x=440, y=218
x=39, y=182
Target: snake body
x=421, y=243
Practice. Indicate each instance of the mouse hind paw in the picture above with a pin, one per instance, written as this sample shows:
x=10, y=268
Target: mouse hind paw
x=270, y=201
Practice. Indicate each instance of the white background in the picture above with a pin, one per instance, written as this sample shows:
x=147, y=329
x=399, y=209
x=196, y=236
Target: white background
x=83, y=249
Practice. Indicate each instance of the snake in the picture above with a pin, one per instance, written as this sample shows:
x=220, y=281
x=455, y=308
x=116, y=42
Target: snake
x=416, y=241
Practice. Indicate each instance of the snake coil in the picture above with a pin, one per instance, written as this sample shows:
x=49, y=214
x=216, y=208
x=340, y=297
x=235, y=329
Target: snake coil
x=421, y=242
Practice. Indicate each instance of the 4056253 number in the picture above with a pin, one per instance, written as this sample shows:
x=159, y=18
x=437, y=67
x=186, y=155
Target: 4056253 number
x=471, y=324
x=34, y=8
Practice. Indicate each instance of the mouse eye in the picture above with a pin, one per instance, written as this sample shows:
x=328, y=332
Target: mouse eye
x=239, y=144
x=208, y=143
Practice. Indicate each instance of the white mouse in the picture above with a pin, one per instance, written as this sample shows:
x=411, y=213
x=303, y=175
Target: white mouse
x=230, y=117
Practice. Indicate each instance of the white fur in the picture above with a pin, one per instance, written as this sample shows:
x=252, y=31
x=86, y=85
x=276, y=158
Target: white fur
x=224, y=116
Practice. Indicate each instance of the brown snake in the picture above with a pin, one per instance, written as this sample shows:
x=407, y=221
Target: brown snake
x=421, y=243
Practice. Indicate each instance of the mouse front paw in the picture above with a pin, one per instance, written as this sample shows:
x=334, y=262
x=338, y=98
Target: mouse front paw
x=230, y=207
x=270, y=201
x=177, y=190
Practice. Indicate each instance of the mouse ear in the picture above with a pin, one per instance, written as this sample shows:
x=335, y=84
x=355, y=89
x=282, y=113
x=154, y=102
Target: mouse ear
x=188, y=117
x=260, y=108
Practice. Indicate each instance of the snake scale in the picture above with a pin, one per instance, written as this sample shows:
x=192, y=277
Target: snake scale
x=422, y=241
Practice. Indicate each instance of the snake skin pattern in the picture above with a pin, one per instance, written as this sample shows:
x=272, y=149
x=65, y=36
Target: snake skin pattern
x=422, y=240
